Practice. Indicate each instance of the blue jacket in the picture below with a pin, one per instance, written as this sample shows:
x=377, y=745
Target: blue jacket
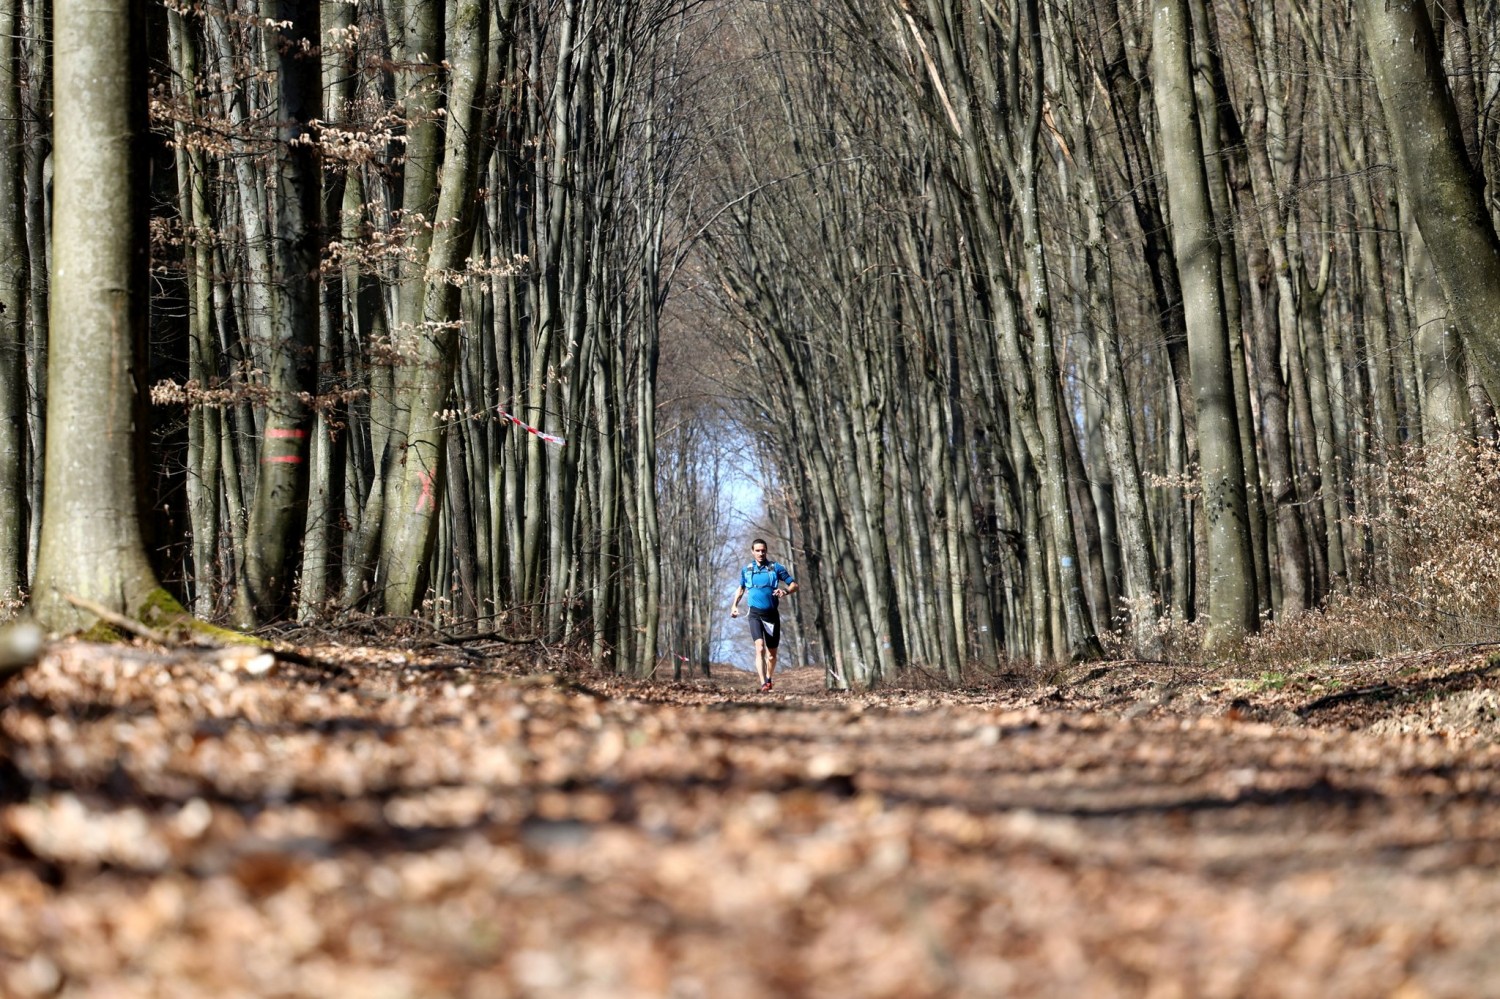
x=759, y=581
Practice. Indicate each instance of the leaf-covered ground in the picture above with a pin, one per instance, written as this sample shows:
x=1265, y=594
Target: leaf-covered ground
x=374, y=823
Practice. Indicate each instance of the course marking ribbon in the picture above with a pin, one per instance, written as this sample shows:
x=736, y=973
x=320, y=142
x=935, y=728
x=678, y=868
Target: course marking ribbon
x=549, y=438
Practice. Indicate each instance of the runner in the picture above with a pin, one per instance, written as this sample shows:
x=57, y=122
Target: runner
x=765, y=582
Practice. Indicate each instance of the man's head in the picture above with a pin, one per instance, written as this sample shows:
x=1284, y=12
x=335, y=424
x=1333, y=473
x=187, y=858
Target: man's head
x=758, y=549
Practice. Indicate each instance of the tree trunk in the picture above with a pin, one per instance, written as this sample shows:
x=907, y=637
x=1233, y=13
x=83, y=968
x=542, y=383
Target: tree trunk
x=14, y=268
x=1211, y=91
x=37, y=161
x=1231, y=569
x=1437, y=180
x=281, y=485
x=430, y=313
x=203, y=420
x=92, y=544
x=1445, y=402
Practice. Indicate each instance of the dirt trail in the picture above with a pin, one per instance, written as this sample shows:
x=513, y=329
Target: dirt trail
x=376, y=824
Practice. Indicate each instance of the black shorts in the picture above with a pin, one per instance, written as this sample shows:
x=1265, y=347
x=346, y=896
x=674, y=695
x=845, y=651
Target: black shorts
x=765, y=625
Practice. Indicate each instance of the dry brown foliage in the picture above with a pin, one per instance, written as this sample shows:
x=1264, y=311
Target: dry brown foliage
x=1429, y=574
x=479, y=822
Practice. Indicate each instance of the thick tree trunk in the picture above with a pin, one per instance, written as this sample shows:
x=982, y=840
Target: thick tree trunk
x=91, y=530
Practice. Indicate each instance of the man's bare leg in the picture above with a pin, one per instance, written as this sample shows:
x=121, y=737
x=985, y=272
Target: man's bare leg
x=770, y=663
x=760, y=660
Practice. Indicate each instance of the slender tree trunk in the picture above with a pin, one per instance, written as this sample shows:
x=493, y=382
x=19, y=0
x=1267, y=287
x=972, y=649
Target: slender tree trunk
x=415, y=480
x=203, y=485
x=327, y=446
x=279, y=505
x=14, y=270
x=1437, y=180
x=648, y=524
x=37, y=164
x=1231, y=581
x=607, y=579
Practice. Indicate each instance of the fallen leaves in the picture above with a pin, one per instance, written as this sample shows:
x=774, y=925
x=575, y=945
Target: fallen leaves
x=408, y=825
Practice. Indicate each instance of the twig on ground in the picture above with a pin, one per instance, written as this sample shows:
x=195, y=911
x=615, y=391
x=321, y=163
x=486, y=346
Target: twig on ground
x=120, y=621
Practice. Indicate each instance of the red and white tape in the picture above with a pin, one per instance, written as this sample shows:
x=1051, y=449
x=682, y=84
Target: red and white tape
x=549, y=438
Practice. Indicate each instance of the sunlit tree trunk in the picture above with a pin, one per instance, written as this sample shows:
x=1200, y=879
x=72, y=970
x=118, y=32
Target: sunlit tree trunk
x=414, y=480
x=92, y=544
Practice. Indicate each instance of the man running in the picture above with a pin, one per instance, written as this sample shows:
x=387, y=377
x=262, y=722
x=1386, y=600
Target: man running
x=765, y=582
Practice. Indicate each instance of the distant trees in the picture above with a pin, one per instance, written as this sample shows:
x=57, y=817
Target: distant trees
x=1246, y=328
x=1054, y=328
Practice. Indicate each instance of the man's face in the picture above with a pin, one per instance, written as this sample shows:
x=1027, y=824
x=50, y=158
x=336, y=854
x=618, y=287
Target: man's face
x=760, y=554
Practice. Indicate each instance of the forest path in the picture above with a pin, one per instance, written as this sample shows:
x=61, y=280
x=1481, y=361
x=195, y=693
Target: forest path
x=448, y=824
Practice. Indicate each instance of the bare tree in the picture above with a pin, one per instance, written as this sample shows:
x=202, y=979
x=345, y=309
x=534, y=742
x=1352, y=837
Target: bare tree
x=1437, y=180
x=1231, y=576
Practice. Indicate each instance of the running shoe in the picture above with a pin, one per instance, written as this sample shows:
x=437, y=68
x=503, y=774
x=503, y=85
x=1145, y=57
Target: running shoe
x=766, y=686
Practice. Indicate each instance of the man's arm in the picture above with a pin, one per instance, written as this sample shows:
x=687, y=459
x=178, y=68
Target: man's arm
x=734, y=608
x=790, y=586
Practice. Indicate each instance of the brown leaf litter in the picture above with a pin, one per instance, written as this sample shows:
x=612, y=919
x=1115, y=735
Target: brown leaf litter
x=387, y=823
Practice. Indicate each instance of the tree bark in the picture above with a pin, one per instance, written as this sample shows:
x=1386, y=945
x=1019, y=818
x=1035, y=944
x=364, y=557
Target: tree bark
x=279, y=505
x=14, y=270
x=1437, y=180
x=1231, y=569
x=92, y=544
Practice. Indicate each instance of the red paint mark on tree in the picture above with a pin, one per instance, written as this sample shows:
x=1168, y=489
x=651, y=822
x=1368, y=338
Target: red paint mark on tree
x=426, y=501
